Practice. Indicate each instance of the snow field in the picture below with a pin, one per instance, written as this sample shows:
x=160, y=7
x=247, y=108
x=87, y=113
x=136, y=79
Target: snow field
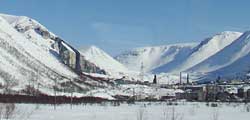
x=138, y=111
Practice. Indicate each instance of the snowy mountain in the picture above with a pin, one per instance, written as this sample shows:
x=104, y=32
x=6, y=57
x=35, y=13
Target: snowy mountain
x=24, y=54
x=208, y=48
x=102, y=59
x=225, y=54
x=32, y=56
x=153, y=57
x=230, y=53
x=230, y=62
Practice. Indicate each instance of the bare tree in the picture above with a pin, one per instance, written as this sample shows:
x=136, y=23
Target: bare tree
x=171, y=114
x=248, y=108
x=8, y=85
x=141, y=114
x=9, y=110
x=24, y=115
x=55, y=96
x=1, y=110
x=215, y=114
x=176, y=115
x=192, y=110
x=166, y=114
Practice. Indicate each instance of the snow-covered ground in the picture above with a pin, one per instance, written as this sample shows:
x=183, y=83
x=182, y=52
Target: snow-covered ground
x=141, y=91
x=138, y=111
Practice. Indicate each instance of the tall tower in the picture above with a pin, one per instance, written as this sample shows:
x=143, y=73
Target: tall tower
x=142, y=72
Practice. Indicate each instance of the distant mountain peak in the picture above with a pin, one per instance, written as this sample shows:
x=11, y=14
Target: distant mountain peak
x=102, y=59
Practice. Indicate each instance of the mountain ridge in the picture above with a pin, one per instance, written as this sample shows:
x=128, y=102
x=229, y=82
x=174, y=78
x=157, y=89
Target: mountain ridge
x=22, y=33
x=214, y=56
x=149, y=56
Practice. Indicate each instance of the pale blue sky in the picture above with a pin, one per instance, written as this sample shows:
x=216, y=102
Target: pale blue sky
x=118, y=25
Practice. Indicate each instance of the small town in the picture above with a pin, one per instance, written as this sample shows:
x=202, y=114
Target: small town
x=215, y=91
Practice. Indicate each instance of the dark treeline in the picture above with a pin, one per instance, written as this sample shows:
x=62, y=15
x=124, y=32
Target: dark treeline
x=45, y=99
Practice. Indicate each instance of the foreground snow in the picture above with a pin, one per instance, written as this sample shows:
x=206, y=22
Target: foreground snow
x=146, y=111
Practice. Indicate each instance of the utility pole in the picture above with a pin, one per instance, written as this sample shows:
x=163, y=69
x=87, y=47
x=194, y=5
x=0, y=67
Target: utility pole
x=133, y=93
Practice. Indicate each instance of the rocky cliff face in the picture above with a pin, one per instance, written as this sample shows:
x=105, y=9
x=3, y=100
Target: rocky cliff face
x=74, y=59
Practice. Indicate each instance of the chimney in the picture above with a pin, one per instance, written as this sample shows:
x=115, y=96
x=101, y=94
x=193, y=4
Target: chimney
x=187, y=78
x=180, y=79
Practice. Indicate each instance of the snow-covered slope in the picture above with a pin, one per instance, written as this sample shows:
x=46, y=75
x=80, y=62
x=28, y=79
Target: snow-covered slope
x=28, y=58
x=28, y=54
x=231, y=53
x=102, y=59
x=225, y=54
x=208, y=48
x=232, y=61
x=179, y=57
x=37, y=42
x=25, y=56
x=153, y=57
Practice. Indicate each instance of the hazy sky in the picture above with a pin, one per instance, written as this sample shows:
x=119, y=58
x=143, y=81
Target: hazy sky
x=118, y=25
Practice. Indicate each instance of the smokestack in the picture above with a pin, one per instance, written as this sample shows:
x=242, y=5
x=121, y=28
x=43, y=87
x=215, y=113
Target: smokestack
x=180, y=79
x=155, y=80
